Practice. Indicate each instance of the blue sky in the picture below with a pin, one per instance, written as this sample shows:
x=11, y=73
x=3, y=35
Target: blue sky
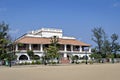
x=76, y=17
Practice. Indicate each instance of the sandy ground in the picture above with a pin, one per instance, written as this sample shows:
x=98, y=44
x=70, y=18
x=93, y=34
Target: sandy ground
x=62, y=72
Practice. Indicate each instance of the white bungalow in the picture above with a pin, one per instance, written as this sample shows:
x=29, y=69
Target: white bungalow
x=40, y=39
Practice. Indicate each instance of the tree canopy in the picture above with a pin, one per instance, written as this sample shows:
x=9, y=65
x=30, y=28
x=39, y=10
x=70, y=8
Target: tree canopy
x=103, y=44
x=5, y=42
x=52, y=51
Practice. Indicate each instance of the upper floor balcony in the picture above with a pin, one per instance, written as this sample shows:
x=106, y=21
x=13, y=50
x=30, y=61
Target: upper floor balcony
x=62, y=48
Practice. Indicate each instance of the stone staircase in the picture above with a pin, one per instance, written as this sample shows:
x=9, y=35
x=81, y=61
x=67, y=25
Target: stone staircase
x=65, y=61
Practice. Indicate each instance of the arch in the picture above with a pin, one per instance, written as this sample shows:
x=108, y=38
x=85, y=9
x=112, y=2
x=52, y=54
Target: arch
x=23, y=57
x=76, y=56
x=85, y=57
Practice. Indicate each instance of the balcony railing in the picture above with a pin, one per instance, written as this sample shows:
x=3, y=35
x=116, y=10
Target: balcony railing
x=23, y=48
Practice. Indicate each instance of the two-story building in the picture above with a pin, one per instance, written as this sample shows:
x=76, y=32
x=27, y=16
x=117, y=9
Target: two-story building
x=40, y=39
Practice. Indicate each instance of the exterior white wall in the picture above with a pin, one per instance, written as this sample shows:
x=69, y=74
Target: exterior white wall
x=40, y=55
x=50, y=34
x=81, y=55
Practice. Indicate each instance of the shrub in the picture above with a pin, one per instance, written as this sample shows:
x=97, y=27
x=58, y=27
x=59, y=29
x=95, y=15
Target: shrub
x=83, y=61
x=91, y=62
x=25, y=63
x=38, y=62
x=33, y=62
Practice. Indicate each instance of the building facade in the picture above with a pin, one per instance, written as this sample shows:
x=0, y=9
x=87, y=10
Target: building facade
x=40, y=39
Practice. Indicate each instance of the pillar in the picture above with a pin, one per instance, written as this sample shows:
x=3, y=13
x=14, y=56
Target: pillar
x=65, y=56
x=80, y=49
x=30, y=47
x=71, y=48
x=90, y=49
x=65, y=47
x=41, y=47
x=16, y=47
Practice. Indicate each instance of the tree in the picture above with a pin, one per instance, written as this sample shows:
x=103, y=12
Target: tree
x=98, y=38
x=106, y=48
x=54, y=41
x=75, y=59
x=31, y=54
x=6, y=45
x=4, y=40
x=4, y=30
x=96, y=56
x=114, y=44
x=52, y=51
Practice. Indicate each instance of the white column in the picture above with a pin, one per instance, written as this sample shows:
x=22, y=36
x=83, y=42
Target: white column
x=30, y=47
x=16, y=47
x=65, y=55
x=80, y=48
x=90, y=49
x=65, y=47
x=72, y=48
x=41, y=47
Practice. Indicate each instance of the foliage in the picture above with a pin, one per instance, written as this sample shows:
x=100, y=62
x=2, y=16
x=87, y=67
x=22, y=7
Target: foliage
x=75, y=59
x=38, y=62
x=110, y=56
x=6, y=47
x=36, y=57
x=98, y=37
x=96, y=56
x=51, y=53
x=31, y=54
x=114, y=44
x=91, y=62
x=54, y=41
x=106, y=48
x=33, y=62
x=104, y=45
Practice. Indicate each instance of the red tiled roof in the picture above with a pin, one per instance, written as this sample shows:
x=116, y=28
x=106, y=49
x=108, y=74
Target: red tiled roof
x=38, y=40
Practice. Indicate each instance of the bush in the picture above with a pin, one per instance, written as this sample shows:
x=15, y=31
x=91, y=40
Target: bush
x=38, y=62
x=91, y=62
x=77, y=62
x=25, y=63
x=83, y=61
x=52, y=63
x=33, y=62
